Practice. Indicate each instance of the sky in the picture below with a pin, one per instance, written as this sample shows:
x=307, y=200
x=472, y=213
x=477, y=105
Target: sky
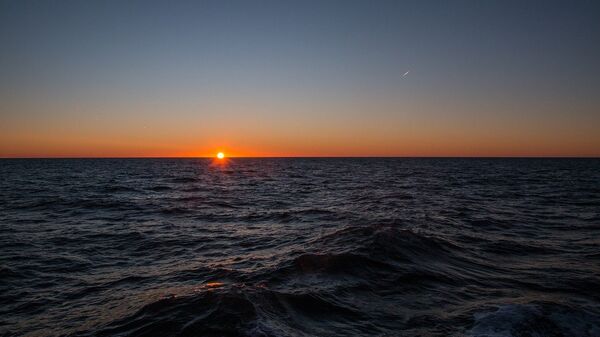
x=299, y=78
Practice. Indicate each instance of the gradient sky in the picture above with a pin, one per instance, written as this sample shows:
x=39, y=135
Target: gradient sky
x=301, y=78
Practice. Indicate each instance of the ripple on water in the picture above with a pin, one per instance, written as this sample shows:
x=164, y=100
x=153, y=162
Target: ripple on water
x=299, y=247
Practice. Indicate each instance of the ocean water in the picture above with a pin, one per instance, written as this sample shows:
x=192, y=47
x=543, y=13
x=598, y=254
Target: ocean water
x=300, y=247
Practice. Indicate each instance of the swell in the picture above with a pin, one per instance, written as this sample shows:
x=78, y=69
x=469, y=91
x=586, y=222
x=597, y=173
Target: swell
x=306, y=293
x=299, y=247
x=311, y=291
x=535, y=319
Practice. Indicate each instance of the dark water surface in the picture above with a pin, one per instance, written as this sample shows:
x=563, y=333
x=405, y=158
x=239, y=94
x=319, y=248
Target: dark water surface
x=300, y=247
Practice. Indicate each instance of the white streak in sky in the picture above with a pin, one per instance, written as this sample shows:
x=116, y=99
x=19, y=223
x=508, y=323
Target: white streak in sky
x=406, y=73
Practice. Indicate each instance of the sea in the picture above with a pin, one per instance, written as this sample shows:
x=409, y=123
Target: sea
x=492, y=247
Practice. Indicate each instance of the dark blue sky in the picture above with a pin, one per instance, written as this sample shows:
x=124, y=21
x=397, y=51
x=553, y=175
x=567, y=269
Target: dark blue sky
x=503, y=65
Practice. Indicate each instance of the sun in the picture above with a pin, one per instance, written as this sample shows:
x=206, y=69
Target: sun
x=220, y=155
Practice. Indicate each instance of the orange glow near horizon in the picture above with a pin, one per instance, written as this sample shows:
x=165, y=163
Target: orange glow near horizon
x=289, y=131
x=220, y=155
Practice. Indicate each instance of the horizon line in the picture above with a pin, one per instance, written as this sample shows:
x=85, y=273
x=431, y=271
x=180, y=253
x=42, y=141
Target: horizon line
x=313, y=157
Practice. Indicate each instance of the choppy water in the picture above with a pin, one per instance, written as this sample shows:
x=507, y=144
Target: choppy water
x=300, y=247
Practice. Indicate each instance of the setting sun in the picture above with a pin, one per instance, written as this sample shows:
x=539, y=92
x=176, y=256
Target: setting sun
x=220, y=155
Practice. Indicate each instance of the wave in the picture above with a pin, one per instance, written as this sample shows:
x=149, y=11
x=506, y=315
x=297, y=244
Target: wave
x=211, y=313
x=184, y=180
x=216, y=309
x=300, y=247
x=535, y=319
x=302, y=295
x=159, y=188
x=118, y=188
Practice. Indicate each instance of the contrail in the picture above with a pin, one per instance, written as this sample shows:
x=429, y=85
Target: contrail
x=406, y=73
